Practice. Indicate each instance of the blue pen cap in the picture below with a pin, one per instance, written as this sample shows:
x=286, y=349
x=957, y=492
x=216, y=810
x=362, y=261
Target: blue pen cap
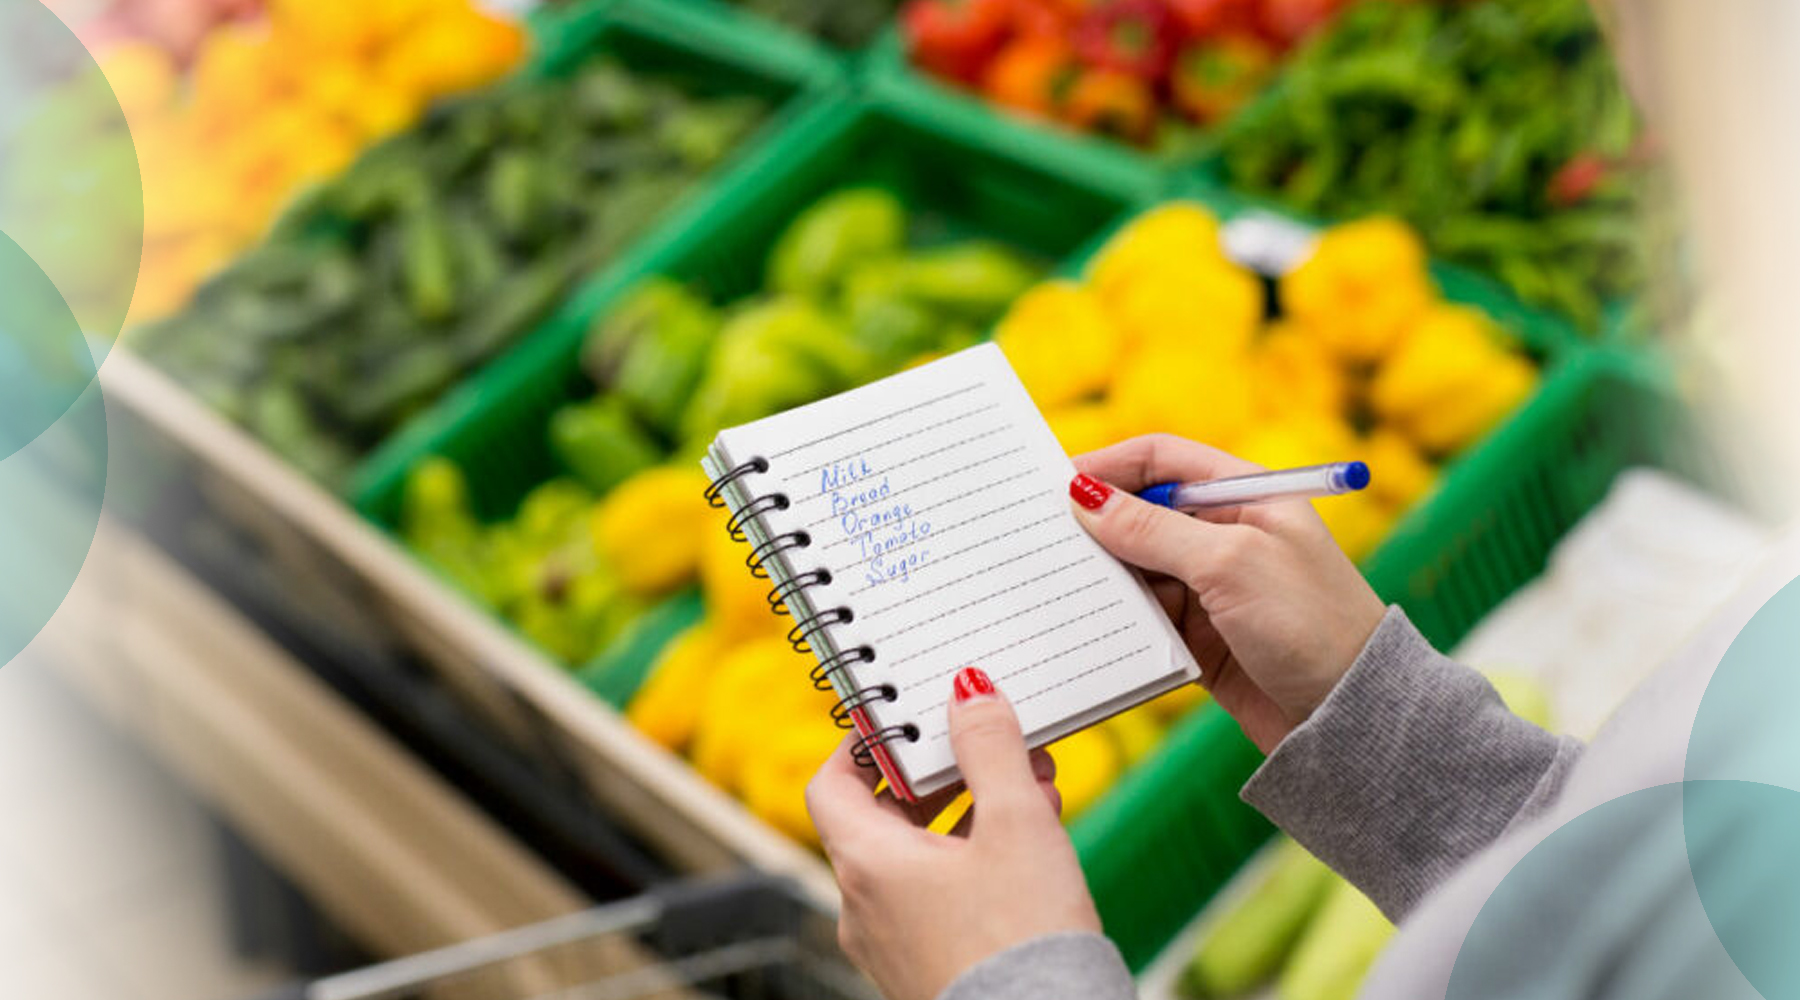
x=1352, y=476
x=1162, y=494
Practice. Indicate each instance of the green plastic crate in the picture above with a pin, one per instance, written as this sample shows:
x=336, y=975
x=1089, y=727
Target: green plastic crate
x=494, y=426
x=747, y=33
x=1490, y=527
x=730, y=13
x=1172, y=831
x=642, y=36
x=616, y=674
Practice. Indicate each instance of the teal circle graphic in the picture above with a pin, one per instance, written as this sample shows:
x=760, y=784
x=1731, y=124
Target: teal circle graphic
x=1688, y=889
x=71, y=237
x=44, y=362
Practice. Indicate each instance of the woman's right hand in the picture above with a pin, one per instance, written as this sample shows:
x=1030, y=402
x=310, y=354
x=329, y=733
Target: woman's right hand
x=1272, y=609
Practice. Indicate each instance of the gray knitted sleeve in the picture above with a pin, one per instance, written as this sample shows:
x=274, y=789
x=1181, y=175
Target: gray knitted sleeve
x=1411, y=765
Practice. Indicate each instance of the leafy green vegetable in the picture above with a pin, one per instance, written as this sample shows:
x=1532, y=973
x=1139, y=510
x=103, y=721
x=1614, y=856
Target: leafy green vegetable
x=1459, y=117
x=434, y=251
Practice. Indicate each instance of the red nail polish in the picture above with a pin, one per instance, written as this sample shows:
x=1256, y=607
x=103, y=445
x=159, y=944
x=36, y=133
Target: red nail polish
x=972, y=681
x=1088, y=491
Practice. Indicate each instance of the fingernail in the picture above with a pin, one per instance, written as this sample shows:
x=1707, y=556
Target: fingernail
x=1089, y=492
x=970, y=682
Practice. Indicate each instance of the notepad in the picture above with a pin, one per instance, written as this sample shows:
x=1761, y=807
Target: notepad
x=920, y=524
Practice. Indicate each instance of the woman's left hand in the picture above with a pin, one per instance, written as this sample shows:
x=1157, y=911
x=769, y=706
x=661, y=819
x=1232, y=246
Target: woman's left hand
x=920, y=909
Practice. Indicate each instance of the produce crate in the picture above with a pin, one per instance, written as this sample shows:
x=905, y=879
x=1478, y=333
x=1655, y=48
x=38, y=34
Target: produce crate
x=335, y=566
x=774, y=32
x=954, y=185
x=1492, y=524
x=771, y=44
x=887, y=73
x=711, y=58
x=1546, y=336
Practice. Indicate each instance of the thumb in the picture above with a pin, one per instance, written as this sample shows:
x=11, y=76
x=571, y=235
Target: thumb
x=990, y=751
x=1149, y=536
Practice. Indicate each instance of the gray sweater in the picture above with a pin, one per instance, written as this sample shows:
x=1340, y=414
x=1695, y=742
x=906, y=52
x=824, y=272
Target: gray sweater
x=1414, y=782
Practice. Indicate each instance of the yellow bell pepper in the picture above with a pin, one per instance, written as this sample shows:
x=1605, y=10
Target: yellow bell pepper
x=759, y=688
x=1299, y=438
x=1450, y=381
x=453, y=48
x=1209, y=304
x=1363, y=286
x=1358, y=521
x=1402, y=476
x=735, y=600
x=1083, y=427
x=667, y=707
x=776, y=774
x=1177, y=703
x=1176, y=230
x=1186, y=392
x=1136, y=732
x=651, y=529
x=142, y=76
x=1087, y=763
x=1294, y=371
x=1060, y=342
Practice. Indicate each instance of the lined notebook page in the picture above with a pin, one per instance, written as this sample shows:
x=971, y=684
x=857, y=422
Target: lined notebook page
x=938, y=499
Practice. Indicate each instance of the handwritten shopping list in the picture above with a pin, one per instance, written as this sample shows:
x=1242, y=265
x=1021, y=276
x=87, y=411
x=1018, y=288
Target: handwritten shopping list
x=940, y=511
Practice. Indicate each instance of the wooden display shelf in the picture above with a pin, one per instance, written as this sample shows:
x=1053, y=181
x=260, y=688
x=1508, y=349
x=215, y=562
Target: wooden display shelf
x=339, y=568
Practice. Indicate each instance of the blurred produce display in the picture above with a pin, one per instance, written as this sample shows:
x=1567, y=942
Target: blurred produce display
x=267, y=106
x=435, y=251
x=847, y=24
x=846, y=300
x=1164, y=333
x=1300, y=925
x=1145, y=71
x=693, y=703
x=1499, y=128
x=176, y=26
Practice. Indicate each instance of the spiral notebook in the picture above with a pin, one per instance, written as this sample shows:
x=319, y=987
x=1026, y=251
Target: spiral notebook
x=921, y=524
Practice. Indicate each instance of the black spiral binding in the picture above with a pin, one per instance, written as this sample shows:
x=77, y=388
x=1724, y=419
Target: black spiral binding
x=831, y=668
x=840, y=712
x=774, y=546
x=801, y=634
x=861, y=751
x=715, y=491
x=778, y=597
x=836, y=662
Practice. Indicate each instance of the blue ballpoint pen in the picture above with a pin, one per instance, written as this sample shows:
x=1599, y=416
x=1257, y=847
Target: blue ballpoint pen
x=1261, y=487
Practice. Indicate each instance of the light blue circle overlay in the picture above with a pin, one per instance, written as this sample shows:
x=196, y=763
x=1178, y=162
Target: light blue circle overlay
x=71, y=236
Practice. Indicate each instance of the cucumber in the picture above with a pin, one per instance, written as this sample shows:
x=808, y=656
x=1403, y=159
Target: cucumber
x=1338, y=949
x=1249, y=944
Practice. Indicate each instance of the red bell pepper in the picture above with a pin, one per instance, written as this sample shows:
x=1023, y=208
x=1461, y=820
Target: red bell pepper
x=1033, y=74
x=1045, y=17
x=1211, y=18
x=1134, y=37
x=1576, y=179
x=955, y=38
x=1214, y=78
x=1287, y=22
x=1115, y=103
